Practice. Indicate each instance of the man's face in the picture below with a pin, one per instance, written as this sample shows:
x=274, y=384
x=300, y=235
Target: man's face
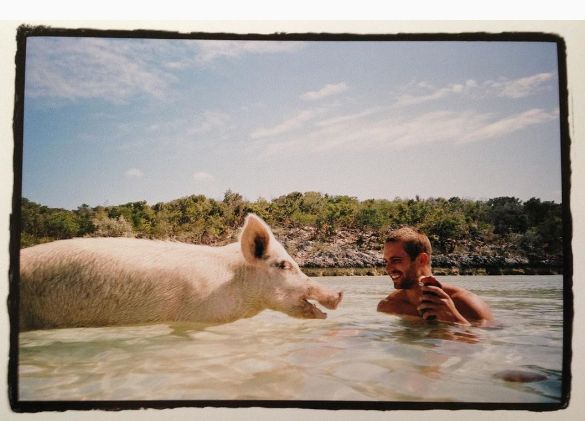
x=401, y=268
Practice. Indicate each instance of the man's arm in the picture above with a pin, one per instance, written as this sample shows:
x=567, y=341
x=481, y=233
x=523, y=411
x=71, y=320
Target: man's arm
x=472, y=307
x=459, y=306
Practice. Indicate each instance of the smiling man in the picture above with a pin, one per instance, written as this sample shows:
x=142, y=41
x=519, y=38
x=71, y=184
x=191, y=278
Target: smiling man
x=407, y=255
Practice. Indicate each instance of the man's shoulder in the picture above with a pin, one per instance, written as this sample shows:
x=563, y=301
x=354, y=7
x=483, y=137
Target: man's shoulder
x=399, y=295
x=456, y=292
x=394, y=303
x=468, y=303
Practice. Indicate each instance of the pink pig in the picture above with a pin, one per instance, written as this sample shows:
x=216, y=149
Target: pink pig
x=124, y=281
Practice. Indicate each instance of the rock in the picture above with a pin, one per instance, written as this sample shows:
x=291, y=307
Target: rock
x=356, y=248
x=519, y=376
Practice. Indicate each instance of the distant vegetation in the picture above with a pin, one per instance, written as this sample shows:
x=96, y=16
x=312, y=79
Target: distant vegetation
x=533, y=226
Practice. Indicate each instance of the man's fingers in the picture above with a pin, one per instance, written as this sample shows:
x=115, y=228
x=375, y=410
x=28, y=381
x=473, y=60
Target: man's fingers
x=431, y=298
x=426, y=305
x=429, y=315
x=431, y=290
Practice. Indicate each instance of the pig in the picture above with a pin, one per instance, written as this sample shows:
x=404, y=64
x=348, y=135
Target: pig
x=90, y=282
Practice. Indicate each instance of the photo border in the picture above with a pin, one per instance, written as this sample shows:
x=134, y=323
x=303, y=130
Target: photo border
x=26, y=31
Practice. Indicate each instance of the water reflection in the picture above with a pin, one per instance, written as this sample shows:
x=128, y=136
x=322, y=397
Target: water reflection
x=356, y=354
x=410, y=331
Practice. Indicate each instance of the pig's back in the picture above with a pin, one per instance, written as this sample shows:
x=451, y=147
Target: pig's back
x=105, y=281
x=124, y=253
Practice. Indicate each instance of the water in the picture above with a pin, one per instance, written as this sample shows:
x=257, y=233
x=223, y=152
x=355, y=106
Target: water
x=356, y=354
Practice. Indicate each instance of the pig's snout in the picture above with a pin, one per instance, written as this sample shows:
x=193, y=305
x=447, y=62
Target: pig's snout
x=332, y=301
x=326, y=298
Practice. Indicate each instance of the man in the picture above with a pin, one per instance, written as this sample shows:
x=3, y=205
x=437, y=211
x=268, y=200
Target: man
x=407, y=255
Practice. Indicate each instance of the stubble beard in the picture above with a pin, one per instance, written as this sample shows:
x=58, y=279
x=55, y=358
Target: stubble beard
x=409, y=279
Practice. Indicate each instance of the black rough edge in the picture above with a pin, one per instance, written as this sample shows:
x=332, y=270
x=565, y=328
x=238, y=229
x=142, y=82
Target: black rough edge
x=568, y=304
x=26, y=31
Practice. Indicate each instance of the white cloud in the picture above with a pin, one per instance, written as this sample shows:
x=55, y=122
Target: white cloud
x=327, y=90
x=423, y=92
x=523, y=87
x=209, y=50
x=347, y=117
x=462, y=127
x=295, y=122
x=386, y=130
x=78, y=68
x=134, y=173
x=431, y=93
x=208, y=127
x=116, y=69
x=208, y=121
x=202, y=176
x=511, y=124
x=176, y=64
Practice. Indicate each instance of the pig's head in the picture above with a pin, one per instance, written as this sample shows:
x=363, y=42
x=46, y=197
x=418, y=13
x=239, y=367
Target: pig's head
x=283, y=286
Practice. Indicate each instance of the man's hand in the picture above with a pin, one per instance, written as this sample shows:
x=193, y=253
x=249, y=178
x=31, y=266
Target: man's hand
x=437, y=304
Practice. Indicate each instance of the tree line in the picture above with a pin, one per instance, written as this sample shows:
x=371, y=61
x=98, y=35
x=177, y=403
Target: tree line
x=534, y=226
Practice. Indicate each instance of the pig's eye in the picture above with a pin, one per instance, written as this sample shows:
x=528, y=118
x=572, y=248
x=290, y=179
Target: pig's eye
x=285, y=265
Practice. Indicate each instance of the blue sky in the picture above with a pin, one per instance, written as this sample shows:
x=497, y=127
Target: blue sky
x=109, y=121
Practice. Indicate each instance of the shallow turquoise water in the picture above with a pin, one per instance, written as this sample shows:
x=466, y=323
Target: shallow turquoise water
x=356, y=354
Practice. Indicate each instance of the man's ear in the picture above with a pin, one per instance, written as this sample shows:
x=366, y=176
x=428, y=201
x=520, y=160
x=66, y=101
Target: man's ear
x=423, y=259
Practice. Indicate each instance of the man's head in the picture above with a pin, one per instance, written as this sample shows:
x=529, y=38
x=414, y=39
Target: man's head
x=407, y=253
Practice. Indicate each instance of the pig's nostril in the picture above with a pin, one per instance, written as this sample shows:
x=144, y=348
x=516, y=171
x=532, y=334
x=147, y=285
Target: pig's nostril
x=338, y=299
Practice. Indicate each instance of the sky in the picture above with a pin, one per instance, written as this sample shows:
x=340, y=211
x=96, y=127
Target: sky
x=111, y=121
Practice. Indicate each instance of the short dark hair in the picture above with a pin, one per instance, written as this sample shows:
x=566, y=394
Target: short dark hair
x=413, y=240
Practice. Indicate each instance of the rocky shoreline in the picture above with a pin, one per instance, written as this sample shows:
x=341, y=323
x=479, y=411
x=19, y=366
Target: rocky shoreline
x=355, y=253
x=439, y=271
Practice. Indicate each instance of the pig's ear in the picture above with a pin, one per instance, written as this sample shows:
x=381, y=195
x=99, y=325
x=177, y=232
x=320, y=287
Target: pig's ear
x=255, y=239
